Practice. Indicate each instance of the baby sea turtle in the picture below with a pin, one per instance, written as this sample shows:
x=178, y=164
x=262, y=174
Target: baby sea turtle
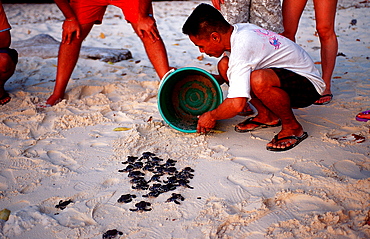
x=130, y=159
x=63, y=204
x=111, y=234
x=141, y=206
x=153, y=194
x=184, y=182
x=170, y=162
x=147, y=155
x=156, y=159
x=126, y=198
x=140, y=186
x=175, y=197
x=170, y=170
x=129, y=168
x=155, y=178
x=140, y=180
x=135, y=174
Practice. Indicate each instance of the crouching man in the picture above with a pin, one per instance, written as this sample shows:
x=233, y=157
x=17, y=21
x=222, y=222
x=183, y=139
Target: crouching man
x=271, y=71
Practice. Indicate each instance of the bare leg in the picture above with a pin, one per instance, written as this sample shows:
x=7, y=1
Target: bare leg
x=274, y=103
x=67, y=59
x=156, y=52
x=7, y=68
x=292, y=11
x=325, y=24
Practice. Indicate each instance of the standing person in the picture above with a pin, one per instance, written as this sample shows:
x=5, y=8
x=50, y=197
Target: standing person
x=80, y=18
x=8, y=57
x=263, y=13
x=325, y=23
x=274, y=73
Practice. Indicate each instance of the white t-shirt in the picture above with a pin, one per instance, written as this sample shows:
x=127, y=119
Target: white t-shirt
x=254, y=48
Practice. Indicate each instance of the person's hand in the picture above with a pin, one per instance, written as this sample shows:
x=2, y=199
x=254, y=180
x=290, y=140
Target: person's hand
x=71, y=28
x=146, y=25
x=205, y=123
x=216, y=3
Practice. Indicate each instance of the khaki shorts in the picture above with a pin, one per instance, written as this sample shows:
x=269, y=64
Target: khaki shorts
x=263, y=13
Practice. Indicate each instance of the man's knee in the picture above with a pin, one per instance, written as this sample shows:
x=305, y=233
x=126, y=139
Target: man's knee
x=263, y=79
x=6, y=64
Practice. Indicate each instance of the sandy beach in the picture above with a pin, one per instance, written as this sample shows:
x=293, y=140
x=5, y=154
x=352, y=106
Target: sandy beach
x=62, y=171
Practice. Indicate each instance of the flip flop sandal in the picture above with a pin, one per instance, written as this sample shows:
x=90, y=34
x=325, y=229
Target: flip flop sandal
x=251, y=121
x=298, y=140
x=5, y=99
x=326, y=102
x=246, y=111
x=359, y=116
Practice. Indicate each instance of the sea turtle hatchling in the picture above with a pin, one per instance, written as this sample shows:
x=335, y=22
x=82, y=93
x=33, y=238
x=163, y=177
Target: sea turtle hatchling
x=141, y=206
x=126, y=198
x=111, y=234
x=175, y=197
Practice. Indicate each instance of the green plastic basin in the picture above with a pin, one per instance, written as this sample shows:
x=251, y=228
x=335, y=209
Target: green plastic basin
x=185, y=94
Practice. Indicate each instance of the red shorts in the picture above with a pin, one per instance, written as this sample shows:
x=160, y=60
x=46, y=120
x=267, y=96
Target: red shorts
x=93, y=10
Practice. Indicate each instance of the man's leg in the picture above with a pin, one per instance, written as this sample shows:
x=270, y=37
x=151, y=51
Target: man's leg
x=156, y=52
x=67, y=59
x=273, y=104
x=7, y=67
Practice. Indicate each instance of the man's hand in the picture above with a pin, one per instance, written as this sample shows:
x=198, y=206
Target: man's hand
x=205, y=123
x=147, y=26
x=216, y=3
x=71, y=28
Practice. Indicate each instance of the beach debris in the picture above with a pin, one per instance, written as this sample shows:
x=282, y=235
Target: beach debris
x=142, y=206
x=216, y=131
x=4, y=214
x=63, y=204
x=121, y=129
x=175, y=197
x=45, y=46
x=126, y=198
x=353, y=22
x=351, y=138
x=112, y=234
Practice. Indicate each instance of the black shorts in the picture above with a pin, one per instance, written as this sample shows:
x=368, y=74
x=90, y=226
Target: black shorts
x=11, y=52
x=301, y=91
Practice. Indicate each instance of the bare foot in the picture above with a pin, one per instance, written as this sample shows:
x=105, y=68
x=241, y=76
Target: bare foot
x=53, y=100
x=5, y=98
x=254, y=123
x=283, y=142
x=324, y=99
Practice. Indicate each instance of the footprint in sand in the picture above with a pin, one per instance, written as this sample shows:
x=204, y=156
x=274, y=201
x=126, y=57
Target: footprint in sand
x=58, y=158
x=352, y=170
x=256, y=166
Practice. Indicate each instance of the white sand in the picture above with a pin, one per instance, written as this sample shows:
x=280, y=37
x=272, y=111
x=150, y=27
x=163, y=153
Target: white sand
x=319, y=189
